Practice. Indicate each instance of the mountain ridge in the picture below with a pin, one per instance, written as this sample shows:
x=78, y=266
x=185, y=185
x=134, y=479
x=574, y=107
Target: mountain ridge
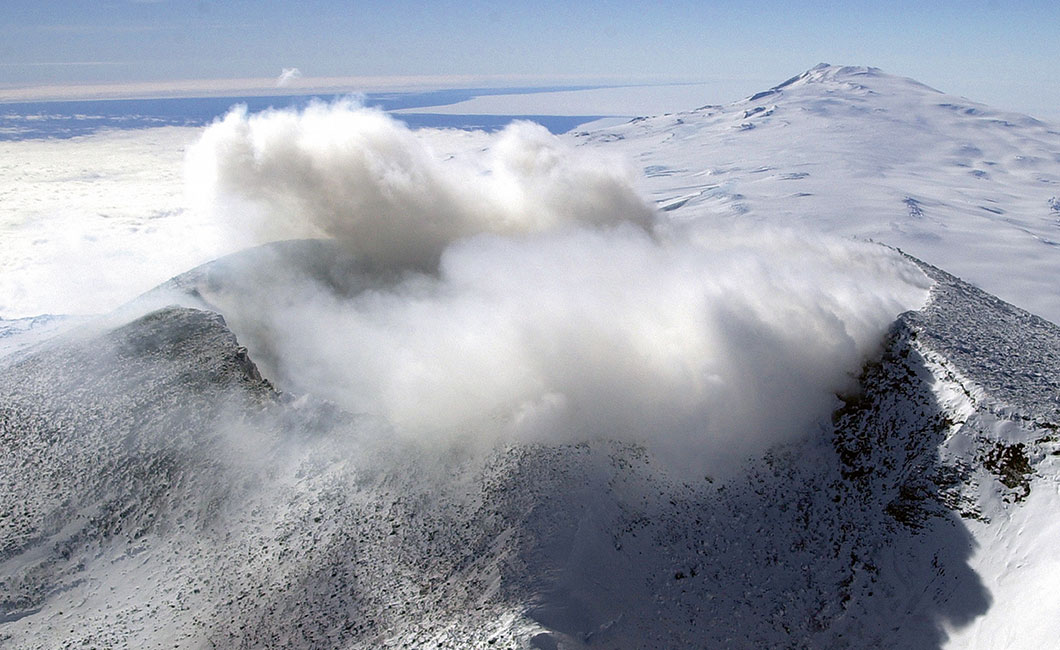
x=322, y=530
x=828, y=73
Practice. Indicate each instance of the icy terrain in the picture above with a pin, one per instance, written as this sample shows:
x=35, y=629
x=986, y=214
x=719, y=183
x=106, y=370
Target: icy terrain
x=89, y=223
x=858, y=152
x=296, y=446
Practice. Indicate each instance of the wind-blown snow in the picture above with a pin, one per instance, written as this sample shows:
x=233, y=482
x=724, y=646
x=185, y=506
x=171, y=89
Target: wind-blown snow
x=708, y=345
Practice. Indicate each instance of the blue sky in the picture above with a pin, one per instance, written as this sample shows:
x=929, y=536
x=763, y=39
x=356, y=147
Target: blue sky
x=1002, y=53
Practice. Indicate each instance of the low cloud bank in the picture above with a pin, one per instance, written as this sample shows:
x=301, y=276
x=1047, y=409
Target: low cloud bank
x=522, y=293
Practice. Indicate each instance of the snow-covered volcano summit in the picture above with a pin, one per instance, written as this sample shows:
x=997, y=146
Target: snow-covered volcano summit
x=855, y=151
x=158, y=492
x=835, y=75
x=161, y=485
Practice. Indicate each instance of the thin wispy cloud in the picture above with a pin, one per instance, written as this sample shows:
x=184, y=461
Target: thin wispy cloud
x=21, y=64
x=287, y=76
x=103, y=29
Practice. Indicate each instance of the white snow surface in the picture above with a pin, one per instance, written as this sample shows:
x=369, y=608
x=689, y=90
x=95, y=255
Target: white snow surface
x=1013, y=493
x=153, y=497
x=1015, y=556
x=181, y=501
x=89, y=223
x=855, y=151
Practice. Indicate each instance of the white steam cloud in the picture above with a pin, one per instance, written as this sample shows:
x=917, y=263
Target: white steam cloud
x=287, y=75
x=525, y=295
x=353, y=173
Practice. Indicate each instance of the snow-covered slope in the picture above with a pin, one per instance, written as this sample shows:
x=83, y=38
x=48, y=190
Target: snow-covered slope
x=158, y=492
x=855, y=151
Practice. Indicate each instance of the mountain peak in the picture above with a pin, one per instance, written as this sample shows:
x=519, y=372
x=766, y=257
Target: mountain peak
x=849, y=76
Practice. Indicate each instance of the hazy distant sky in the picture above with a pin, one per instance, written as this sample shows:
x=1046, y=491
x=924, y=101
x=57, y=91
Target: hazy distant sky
x=1005, y=53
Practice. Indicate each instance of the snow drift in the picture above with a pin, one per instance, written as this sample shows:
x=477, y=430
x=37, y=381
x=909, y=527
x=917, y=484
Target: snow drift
x=524, y=292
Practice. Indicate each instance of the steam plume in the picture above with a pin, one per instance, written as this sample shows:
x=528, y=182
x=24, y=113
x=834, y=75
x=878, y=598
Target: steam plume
x=535, y=301
x=353, y=173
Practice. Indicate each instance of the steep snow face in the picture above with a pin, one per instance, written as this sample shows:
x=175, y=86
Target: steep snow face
x=982, y=445
x=858, y=152
x=1001, y=453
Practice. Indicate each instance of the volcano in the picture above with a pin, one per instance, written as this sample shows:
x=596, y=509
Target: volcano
x=168, y=481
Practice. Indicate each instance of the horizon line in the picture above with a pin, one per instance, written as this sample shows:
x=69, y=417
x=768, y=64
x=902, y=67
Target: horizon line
x=270, y=86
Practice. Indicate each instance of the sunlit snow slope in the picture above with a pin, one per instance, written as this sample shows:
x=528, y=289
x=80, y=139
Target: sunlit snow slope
x=855, y=151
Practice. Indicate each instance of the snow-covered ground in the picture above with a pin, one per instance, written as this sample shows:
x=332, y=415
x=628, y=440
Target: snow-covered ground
x=157, y=491
x=90, y=222
x=179, y=500
x=857, y=152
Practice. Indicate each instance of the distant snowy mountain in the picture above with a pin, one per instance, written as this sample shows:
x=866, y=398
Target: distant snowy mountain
x=161, y=485
x=854, y=151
